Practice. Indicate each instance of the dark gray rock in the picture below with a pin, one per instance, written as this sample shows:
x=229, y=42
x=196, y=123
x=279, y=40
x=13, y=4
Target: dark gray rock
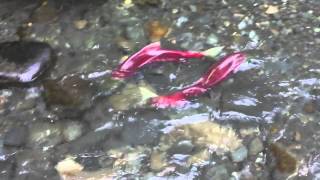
x=182, y=147
x=16, y=136
x=35, y=165
x=6, y=170
x=23, y=61
x=140, y=132
x=44, y=135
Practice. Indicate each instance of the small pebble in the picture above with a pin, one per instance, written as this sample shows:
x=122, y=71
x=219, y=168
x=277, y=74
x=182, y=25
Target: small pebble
x=256, y=146
x=68, y=167
x=239, y=154
x=181, y=20
x=3, y=101
x=309, y=107
x=183, y=147
x=157, y=160
x=157, y=30
x=272, y=9
x=242, y=25
x=212, y=39
x=297, y=136
x=80, y=24
x=72, y=131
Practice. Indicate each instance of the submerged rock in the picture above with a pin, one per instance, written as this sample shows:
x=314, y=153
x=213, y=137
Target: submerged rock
x=16, y=136
x=44, y=135
x=72, y=130
x=23, y=62
x=239, y=154
x=182, y=147
x=158, y=160
x=256, y=146
x=68, y=167
x=147, y=2
x=70, y=91
x=140, y=132
x=157, y=30
x=220, y=138
x=132, y=95
x=286, y=161
x=35, y=164
x=219, y=172
x=6, y=169
x=198, y=140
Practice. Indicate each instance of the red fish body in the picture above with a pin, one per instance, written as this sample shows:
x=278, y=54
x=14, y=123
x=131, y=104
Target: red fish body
x=153, y=53
x=149, y=54
x=216, y=74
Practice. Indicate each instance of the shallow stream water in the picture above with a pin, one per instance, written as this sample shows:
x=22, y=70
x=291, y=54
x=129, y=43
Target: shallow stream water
x=261, y=123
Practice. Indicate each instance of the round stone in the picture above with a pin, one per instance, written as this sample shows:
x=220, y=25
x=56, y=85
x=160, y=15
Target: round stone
x=23, y=62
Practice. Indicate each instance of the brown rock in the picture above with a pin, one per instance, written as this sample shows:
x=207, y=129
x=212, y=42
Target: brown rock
x=157, y=30
x=80, y=24
x=309, y=107
x=286, y=161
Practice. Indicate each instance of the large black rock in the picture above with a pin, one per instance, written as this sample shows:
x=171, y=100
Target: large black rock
x=23, y=61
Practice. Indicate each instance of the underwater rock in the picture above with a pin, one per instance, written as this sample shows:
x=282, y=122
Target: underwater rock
x=147, y=2
x=219, y=172
x=69, y=91
x=157, y=30
x=7, y=168
x=286, y=161
x=44, y=135
x=310, y=107
x=80, y=24
x=23, y=62
x=35, y=164
x=205, y=136
x=212, y=39
x=213, y=135
x=68, y=167
x=16, y=136
x=140, y=132
x=182, y=147
x=256, y=146
x=239, y=154
x=132, y=95
x=46, y=12
x=72, y=130
x=158, y=160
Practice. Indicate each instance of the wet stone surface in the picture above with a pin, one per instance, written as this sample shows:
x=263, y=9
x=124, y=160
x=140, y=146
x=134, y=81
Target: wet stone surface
x=16, y=136
x=261, y=123
x=23, y=62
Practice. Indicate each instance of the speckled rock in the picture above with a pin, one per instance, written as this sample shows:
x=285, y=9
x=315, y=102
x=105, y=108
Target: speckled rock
x=35, y=164
x=44, y=135
x=71, y=91
x=72, y=130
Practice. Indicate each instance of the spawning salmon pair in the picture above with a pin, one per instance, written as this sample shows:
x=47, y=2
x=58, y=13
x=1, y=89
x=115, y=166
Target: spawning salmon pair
x=154, y=53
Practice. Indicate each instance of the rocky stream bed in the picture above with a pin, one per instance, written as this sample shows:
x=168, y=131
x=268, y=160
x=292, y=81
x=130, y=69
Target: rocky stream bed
x=62, y=116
